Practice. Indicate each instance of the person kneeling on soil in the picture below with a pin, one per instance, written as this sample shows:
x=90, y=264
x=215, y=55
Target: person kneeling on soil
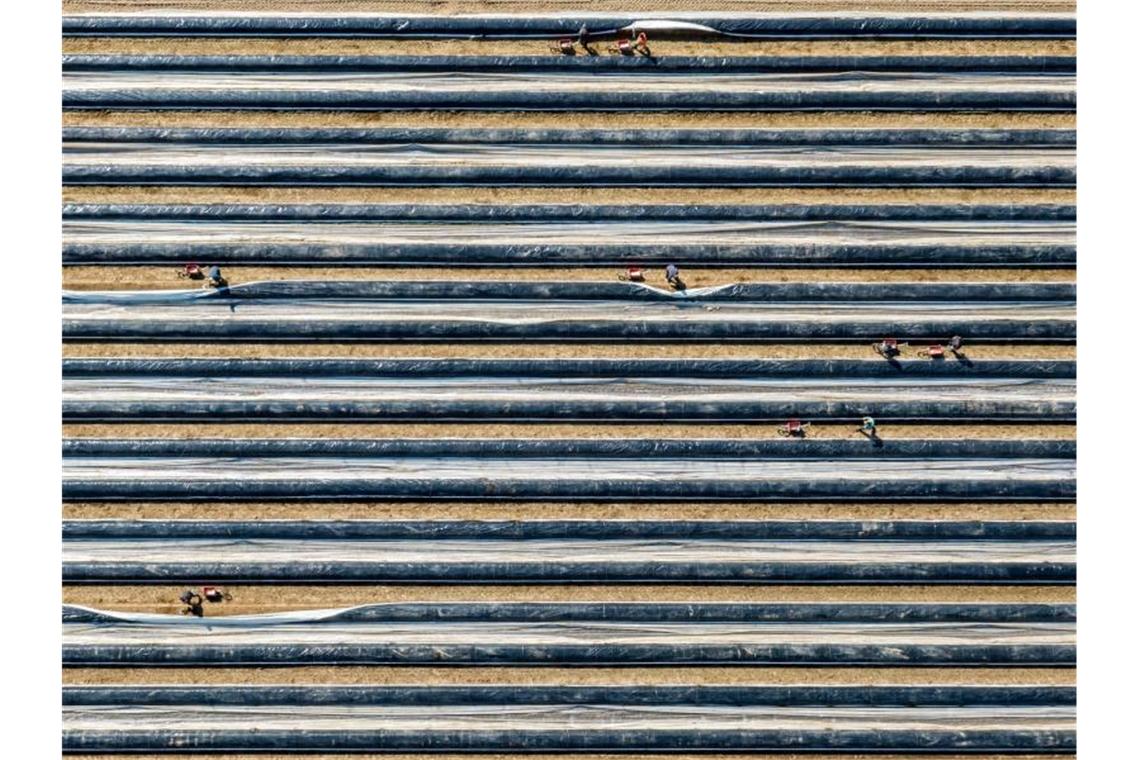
x=673, y=277
x=869, y=428
x=216, y=278
x=193, y=602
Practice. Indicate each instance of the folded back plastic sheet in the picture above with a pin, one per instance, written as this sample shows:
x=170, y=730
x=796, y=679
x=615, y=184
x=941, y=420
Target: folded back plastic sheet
x=512, y=311
x=577, y=165
x=492, y=718
x=644, y=633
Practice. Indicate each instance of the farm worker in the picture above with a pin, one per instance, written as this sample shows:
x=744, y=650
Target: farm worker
x=583, y=36
x=642, y=43
x=956, y=343
x=868, y=426
x=215, y=275
x=672, y=273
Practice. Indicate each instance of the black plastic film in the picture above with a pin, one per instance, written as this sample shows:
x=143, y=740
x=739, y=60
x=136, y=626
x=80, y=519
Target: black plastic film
x=563, y=64
x=805, y=26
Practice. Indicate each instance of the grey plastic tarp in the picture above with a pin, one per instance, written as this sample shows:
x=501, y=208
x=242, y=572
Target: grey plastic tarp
x=187, y=315
x=566, y=560
x=142, y=642
x=537, y=242
x=445, y=397
x=514, y=89
x=570, y=717
x=159, y=477
x=518, y=165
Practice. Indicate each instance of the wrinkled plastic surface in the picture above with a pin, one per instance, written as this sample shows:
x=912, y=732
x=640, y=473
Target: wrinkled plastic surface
x=91, y=476
x=724, y=369
x=761, y=26
x=581, y=165
x=463, y=135
x=1040, y=213
x=601, y=397
x=325, y=239
x=508, y=311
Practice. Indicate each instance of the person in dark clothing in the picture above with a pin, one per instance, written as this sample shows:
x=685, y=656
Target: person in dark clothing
x=193, y=602
x=215, y=277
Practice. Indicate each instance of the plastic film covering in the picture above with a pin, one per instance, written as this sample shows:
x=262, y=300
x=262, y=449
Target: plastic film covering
x=1040, y=213
x=758, y=26
x=553, y=91
x=511, y=165
x=313, y=319
x=611, y=633
x=724, y=369
x=558, y=718
x=317, y=240
x=566, y=469
x=343, y=64
x=464, y=136
x=169, y=551
x=527, y=398
x=631, y=448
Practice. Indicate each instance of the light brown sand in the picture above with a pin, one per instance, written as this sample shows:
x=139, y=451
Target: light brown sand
x=660, y=48
x=562, y=511
x=578, y=119
x=155, y=277
x=255, y=599
x=657, y=431
x=553, y=676
x=537, y=350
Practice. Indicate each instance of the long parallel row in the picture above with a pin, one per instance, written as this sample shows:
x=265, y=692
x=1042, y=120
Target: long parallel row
x=552, y=235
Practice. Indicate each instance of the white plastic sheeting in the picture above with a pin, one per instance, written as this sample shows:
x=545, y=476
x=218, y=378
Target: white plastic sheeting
x=132, y=308
x=554, y=81
x=581, y=390
x=580, y=633
x=120, y=154
x=120, y=232
x=557, y=718
x=428, y=469
x=395, y=552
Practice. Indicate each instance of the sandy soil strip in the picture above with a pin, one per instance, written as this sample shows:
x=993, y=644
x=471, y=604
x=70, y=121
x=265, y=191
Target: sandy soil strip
x=152, y=277
x=255, y=599
x=561, y=511
x=659, y=48
x=456, y=7
x=554, y=676
x=567, y=195
x=658, y=431
x=577, y=120
x=533, y=350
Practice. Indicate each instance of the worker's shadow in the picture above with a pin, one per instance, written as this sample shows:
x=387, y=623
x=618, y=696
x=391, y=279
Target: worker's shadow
x=962, y=358
x=590, y=49
x=873, y=437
